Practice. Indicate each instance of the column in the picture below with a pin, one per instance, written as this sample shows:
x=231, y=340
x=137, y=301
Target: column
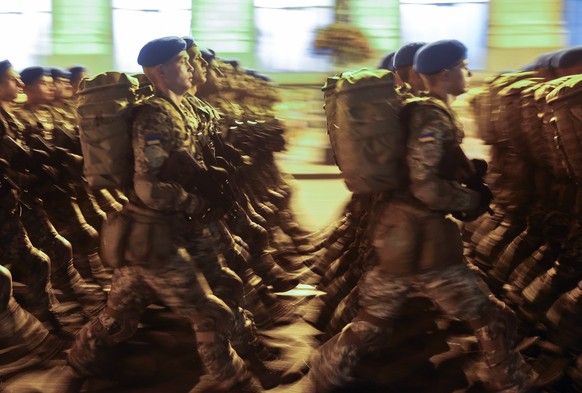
x=82, y=34
x=520, y=30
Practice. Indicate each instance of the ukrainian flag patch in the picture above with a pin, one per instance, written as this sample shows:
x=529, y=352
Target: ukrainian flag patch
x=427, y=137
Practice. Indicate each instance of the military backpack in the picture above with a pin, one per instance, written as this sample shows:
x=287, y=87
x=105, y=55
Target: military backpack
x=105, y=109
x=362, y=110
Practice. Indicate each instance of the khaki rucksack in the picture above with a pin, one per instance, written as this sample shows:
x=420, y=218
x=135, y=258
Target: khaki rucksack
x=565, y=102
x=106, y=105
x=369, y=144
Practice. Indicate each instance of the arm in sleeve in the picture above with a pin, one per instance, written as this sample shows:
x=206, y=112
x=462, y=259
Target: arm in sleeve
x=153, y=141
x=431, y=130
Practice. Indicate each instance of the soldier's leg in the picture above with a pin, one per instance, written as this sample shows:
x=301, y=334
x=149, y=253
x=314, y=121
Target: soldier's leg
x=128, y=297
x=381, y=298
x=5, y=288
x=64, y=275
x=461, y=294
x=30, y=266
x=89, y=207
x=180, y=286
x=67, y=218
x=18, y=328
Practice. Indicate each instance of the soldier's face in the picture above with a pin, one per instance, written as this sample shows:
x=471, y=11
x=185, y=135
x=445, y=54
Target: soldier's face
x=42, y=90
x=177, y=74
x=459, y=77
x=10, y=85
x=63, y=88
x=199, y=66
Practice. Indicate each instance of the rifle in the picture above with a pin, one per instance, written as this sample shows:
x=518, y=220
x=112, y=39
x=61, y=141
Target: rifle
x=182, y=168
x=6, y=183
x=456, y=166
x=67, y=140
x=69, y=163
x=34, y=161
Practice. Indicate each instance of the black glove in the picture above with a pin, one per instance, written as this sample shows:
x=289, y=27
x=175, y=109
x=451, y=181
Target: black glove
x=485, y=198
x=480, y=167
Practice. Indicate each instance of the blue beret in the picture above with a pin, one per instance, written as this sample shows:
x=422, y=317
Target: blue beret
x=233, y=62
x=528, y=67
x=77, y=70
x=544, y=61
x=189, y=41
x=160, y=50
x=4, y=66
x=208, y=55
x=387, y=62
x=60, y=73
x=32, y=74
x=569, y=57
x=263, y=77
x=439, y=55
x=404, y=57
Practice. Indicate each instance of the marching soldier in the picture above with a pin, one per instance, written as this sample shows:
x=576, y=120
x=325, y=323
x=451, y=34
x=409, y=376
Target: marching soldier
x=419, y=247
x=156, y=261
x=41, y=124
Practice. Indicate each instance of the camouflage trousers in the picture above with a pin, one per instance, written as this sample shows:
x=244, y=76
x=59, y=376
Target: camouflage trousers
x=455, y=289
x=177, y=284
x=66, y=216
x=27, y=265
x=224, y=282
x=20, y=332
x=42, y=233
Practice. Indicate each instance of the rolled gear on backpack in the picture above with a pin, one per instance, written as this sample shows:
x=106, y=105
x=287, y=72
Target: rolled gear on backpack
x=368, y=142
x=106, y=104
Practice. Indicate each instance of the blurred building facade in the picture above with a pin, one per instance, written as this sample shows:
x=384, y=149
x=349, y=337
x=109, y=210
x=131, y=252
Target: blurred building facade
x=276, y=35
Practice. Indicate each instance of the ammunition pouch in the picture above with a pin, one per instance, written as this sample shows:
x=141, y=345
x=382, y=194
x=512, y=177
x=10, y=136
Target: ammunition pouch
x=149, y=238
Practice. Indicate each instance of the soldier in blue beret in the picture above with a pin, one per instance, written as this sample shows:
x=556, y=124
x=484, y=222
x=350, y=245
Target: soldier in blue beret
x=403, y=61
x=417, y=243
x=78, y=73
x=569, y=61
x=32, y=74
x=159, y=264
x=62, y=82
x=387, y=62
x=208, y=54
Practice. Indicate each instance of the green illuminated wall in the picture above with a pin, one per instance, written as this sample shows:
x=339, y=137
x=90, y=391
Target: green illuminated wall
x=519, y=30
x=82, y=34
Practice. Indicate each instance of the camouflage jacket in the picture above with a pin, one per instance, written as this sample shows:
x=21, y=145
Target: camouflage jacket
x=434, y=130
x=159, y=128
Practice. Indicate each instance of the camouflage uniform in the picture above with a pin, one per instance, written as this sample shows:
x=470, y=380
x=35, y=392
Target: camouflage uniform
x=419, y=248
x=252, y=233
x=28, y=264
x=62, y=208
x=41, y=231
x=158, y=263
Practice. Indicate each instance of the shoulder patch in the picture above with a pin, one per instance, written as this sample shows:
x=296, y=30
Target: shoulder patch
x=155, y=155
x=426, y=137
x=151, y=140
